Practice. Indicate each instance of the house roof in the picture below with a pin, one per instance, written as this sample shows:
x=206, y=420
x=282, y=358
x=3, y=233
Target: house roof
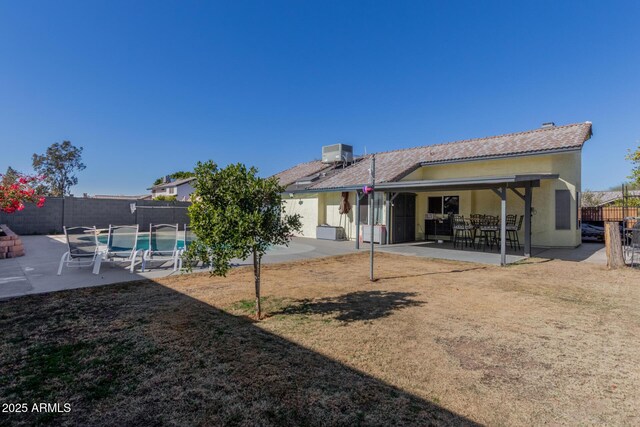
x=394, y=165
x=175, y=183
x=299, y=171
x=606, y=197
x=121, y=196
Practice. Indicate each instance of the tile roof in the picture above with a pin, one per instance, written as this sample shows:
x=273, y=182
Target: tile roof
x=606, y=197
x=291, y=175
x=121, y=196
x=393, y=165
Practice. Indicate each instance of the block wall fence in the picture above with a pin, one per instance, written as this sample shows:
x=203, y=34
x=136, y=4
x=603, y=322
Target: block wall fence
x=76, y=211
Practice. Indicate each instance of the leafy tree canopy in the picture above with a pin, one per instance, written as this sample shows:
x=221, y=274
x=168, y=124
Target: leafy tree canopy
x=10, y=176
x=174, y=176
x=236, y=214
x=165, y=198
x=17, y=189
x=631, y=202
x=634, y=158
x=58, y=166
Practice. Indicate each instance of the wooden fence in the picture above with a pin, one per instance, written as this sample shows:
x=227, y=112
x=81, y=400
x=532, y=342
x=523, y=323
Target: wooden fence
x=608, y=213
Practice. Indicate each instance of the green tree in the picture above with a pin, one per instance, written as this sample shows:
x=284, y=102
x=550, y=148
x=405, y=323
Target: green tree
x=58, y=166
x=175, y=175
x=634, y=158
x=164, y=198
x=236, y=214
x=632, y=202
x=10, y=176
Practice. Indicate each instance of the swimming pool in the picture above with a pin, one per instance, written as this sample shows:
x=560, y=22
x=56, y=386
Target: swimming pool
x=142, y=242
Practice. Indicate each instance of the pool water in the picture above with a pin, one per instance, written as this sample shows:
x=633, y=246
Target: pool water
x=142, y=242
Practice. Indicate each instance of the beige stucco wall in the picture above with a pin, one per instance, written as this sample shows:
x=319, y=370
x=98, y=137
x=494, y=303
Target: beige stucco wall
x=307, y=207
x=329, y=212
x=329, y=205
x=322, y=208
x=543, y=233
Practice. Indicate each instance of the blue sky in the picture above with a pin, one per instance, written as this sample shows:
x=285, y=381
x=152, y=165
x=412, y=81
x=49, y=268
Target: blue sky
x=152, y=87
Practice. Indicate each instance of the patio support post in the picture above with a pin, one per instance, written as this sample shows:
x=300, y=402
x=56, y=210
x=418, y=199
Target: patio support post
x=388, y=218
x=357, y=220
x=527, y=220
x=503, y=226
x=371, y=215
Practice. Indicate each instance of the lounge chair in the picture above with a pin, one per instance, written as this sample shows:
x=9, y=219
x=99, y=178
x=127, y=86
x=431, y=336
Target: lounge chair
x=121, y=246
x=82, y=245
x=163, y=245
x=188, y=238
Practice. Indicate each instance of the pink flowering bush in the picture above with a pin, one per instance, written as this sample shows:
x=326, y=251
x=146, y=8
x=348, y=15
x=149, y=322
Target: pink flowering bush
x=13, y=195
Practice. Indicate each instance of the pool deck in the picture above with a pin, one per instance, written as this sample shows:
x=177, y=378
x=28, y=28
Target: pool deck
x=35, y=272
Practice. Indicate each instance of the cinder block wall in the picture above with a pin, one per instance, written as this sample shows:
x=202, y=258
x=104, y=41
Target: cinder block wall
x=34, y=220
x=74, y=211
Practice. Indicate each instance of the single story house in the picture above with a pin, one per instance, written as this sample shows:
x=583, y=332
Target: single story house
x=535, y=174
x=181, y=188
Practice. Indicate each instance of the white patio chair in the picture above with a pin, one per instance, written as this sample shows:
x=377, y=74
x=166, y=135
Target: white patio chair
x=82, y=245
x=163, y=245
x=121, y=246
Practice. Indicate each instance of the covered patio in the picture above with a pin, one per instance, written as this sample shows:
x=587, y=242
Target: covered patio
x=520, y=185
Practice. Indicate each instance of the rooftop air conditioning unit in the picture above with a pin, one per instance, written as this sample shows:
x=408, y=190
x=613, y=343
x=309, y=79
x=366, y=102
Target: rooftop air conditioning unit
x=337, y=153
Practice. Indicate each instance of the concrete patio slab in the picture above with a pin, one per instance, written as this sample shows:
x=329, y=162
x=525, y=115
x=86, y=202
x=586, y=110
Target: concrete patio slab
x=587, y=252
x=446, y=251
x=36, y=271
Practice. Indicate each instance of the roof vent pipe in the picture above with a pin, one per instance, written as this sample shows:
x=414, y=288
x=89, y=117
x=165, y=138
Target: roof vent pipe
x=548, y=125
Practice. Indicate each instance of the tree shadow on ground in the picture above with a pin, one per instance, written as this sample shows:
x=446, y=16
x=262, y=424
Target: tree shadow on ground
x=355, y=306
x=144, y=354
x=432, y=273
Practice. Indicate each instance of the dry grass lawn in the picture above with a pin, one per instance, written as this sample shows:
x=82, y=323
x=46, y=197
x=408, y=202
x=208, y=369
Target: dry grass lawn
x=430, y=342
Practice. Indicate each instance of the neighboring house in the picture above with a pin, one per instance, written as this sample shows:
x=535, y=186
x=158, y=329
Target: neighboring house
x=541, y=168
x=607, y=198
x=181, y=188
x=119, y=196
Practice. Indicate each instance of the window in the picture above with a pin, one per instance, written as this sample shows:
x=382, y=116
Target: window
x=449, y=205
x=435, y=205
x=563, y=210
x=377, y=209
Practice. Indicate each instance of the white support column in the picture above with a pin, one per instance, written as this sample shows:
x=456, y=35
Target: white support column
x=387, y=219
x=357, y=220
x=527, y=220
x=503, y=226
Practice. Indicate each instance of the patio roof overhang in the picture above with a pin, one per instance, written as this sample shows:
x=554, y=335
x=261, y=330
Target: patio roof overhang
x=478, y=183
x=459, y=184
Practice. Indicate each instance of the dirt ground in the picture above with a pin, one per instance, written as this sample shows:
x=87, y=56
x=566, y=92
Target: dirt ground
x=430, y=342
